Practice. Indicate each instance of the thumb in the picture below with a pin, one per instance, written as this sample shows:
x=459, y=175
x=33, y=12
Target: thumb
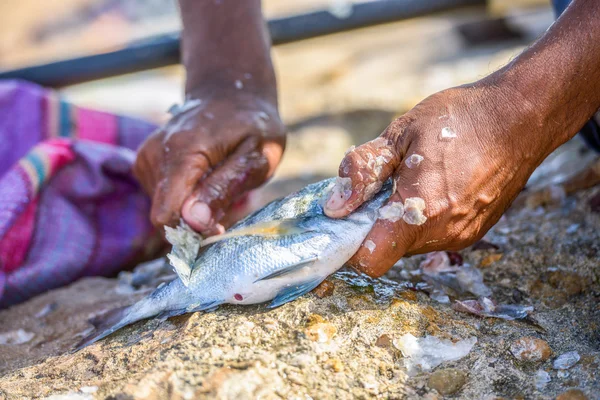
x=362, y=172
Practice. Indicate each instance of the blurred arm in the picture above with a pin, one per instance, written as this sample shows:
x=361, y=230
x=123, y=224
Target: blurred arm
x=224, y=41
x=559, y=75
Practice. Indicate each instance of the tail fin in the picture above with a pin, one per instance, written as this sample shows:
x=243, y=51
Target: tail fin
x=165, y=298
x=104, y=325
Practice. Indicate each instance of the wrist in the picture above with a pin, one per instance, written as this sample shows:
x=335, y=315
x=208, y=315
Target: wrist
x=232, y=84
x=529, y=109
x=558, y=75
x=218, y=100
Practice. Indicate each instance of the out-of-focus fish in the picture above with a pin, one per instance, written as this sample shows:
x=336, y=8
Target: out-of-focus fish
x=278, y=253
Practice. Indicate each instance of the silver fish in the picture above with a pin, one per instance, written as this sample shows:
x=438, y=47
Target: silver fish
x=277, y=254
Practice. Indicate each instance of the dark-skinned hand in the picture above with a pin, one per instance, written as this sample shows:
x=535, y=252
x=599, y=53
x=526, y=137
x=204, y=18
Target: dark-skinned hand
x=465, y=152
x=207, y=156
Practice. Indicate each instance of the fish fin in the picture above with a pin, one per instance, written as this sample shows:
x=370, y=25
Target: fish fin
x=163, y=316
x=289, y=269
x=183, y=270
x=293, y=292
x=284, y=227
x=206, y=307
x=104, y=325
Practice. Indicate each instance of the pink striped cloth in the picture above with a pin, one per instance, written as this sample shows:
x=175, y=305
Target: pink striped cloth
x=69, y=205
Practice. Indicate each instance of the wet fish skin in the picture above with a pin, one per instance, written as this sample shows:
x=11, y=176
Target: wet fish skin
x=250, y=269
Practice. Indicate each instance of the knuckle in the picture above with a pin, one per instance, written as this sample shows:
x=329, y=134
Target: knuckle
x=159, y=217
x=396, y=131
x=372, y=162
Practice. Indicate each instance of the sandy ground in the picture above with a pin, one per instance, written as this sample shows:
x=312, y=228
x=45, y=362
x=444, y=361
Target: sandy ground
x=345, y=345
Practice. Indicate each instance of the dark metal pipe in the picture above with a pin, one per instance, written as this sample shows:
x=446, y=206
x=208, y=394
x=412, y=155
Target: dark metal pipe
x=163, y=50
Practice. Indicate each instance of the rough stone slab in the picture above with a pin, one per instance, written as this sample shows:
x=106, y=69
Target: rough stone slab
x=331, y=347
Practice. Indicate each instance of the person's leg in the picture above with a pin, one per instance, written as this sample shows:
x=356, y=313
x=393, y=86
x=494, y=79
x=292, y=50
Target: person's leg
x=591, y=130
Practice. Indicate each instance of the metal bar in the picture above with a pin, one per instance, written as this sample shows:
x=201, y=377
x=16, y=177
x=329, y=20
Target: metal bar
x=163, y=50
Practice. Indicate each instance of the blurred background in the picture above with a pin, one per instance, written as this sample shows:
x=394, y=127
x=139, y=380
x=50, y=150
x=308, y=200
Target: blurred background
x=335, y=90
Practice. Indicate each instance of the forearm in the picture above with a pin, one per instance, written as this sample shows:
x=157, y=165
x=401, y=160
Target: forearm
x=559, y=76
x=226, y=44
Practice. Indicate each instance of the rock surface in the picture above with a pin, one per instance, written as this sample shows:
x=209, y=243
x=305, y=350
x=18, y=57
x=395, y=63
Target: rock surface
x=530, y=349
x=572, y=394
x=447, y=381
x=339, y=346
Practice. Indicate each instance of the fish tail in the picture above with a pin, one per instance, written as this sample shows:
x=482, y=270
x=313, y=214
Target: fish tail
x=162, y=300
x=105, y=324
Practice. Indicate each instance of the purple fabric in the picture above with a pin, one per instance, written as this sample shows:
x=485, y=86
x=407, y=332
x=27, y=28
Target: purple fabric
x=21, y=126
x=69, y=207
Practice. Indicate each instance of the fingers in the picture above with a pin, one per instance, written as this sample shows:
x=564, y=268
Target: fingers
x=362, y=173
x=402, y=222
x=245, y=169
x=179, y=179
x=387, y=242
x=148, y=155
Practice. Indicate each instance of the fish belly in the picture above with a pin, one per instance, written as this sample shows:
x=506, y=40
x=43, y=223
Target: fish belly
x=328, y=262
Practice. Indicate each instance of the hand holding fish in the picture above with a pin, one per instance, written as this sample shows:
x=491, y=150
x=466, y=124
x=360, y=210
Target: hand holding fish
x=207, y=156
x=459, y=158
x=227, y=138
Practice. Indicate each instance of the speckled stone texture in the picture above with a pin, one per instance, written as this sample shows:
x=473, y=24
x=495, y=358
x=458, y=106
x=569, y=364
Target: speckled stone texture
x=338, y=346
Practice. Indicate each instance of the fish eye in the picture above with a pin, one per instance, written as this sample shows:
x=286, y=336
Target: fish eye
x=238, y=297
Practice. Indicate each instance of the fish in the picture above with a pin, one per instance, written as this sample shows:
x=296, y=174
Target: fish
x=276, y=255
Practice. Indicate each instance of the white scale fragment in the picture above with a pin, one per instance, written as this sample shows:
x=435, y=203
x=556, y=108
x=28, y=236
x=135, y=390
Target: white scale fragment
x=239, y=84
x=263, y=115
x=47, y=309
x=562, y=374
x=438, y=295
x=370, y=245
x=542, y=378
x=414, y=160
x=380, y=161
x=566, y=360
x=392, y=212
x=188, y=105
x=371, y=189
x=448, y=133
x=428, y=352
x=18, y=336
x=71, y=396
x=572, y=229
x=88, y=389
x=413, y=211
x=186, y=244
x=470, y=280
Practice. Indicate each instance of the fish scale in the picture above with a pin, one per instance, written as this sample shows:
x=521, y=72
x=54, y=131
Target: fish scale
x=277, y=254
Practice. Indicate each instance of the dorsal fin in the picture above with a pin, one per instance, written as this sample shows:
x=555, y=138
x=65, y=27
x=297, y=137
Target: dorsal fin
x=283, y=227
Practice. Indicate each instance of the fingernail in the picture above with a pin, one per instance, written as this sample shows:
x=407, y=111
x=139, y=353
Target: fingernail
x=201, y=213
x=340, y=193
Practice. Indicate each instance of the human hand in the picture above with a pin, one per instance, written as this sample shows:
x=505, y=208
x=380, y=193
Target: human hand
x=459, y=158
x=219, y=146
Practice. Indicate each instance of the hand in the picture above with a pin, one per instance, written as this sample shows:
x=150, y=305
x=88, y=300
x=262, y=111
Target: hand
x=208, y=155
x=466, y=152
